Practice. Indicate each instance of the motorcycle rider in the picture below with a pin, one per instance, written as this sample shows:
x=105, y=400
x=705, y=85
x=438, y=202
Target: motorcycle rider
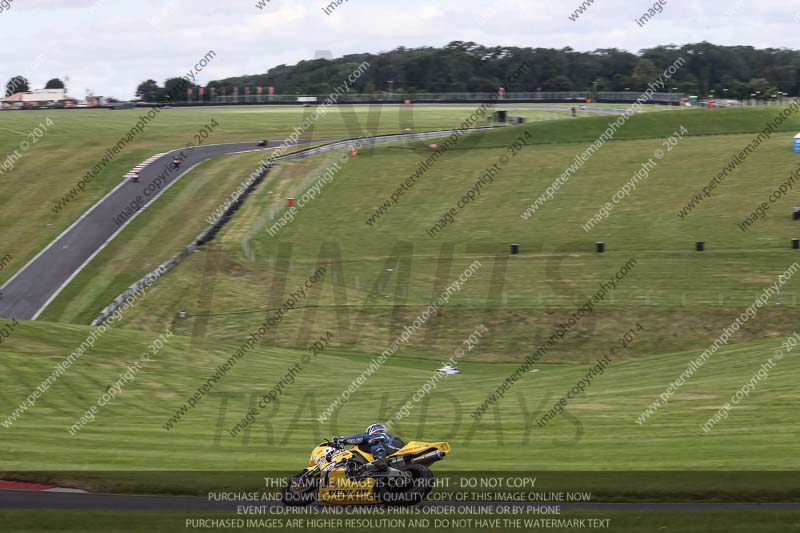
x=330, y=458
x=376, y=441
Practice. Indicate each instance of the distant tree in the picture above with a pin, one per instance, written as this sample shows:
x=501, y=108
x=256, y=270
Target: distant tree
x=645, y=73
x=483, y=85
x=318, y=88
x=17, y=84
x=730, y=87
x=55, y=83
x=761, y=87
x=175, y=89
x=150, y=91
x=689, y=85
x=619, y=82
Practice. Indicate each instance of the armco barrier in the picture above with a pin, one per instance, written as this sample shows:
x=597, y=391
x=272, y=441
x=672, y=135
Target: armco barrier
x=206, y=235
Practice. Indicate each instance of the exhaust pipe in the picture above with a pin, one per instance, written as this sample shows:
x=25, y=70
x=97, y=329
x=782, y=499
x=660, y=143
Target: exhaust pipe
x=428, y=457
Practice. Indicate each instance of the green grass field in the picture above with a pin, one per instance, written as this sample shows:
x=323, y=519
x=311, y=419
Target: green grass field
x=381, y=276
x=600, y=432
x=384, y=274
x=69, y=148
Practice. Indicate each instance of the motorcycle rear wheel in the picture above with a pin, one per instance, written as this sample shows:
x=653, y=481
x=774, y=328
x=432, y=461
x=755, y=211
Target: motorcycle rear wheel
x=407, y=491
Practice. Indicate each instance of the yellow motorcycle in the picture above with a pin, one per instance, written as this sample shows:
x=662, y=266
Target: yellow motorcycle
x=340, y=476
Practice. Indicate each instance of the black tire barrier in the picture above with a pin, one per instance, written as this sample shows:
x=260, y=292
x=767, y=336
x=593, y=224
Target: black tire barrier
x=700, y=246
x=796, y=244
x=515, y=249
x=600, y=247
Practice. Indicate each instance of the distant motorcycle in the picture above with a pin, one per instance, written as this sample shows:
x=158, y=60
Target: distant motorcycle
x=263, y=143
x=341, y=476
x=176, y=162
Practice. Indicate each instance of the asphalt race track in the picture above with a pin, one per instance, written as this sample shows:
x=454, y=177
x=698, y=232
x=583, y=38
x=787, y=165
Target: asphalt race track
x=35, y=285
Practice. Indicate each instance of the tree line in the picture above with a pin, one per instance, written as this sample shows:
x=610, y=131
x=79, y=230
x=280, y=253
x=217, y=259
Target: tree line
x=724, y=71
x=732, y=71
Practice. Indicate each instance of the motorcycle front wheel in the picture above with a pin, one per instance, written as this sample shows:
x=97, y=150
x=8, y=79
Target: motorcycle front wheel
x=300, y=490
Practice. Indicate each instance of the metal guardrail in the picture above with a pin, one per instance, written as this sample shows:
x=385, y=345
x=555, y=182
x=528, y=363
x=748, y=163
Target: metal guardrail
x=371, y=141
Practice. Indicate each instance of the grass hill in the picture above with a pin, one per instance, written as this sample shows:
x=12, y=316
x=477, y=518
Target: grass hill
x=384, y=274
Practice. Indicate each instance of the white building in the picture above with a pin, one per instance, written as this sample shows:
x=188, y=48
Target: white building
x=40, y=97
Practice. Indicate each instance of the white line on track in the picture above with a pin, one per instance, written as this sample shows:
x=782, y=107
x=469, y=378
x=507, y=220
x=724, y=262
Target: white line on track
x=111, y=238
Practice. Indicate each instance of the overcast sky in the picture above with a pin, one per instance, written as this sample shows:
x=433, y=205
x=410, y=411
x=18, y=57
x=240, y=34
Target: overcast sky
x=110, y=46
